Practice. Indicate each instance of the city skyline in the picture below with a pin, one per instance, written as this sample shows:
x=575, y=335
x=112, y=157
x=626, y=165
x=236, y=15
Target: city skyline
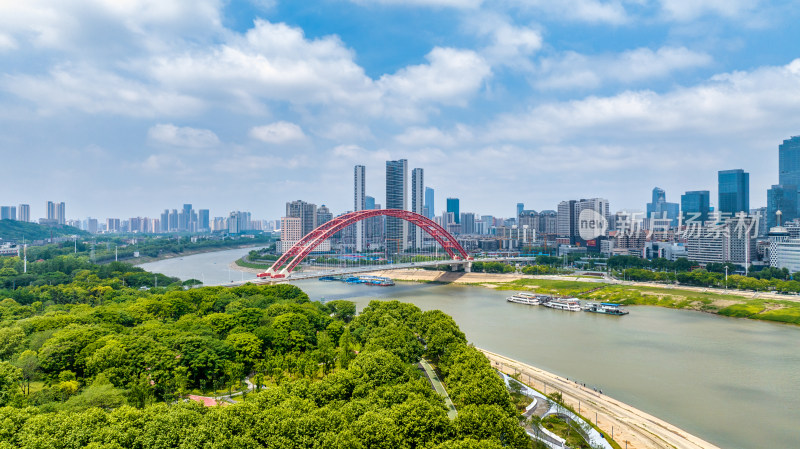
x=243, y=105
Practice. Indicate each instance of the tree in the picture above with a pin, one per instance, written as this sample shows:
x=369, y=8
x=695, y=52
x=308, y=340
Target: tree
x=28, y=363
x=10, y=377
x=490, y=422
x=421, y=423
x=326, y=353
x=247, y=347
x=346, y=354
x=10, y=340
x=342, y=310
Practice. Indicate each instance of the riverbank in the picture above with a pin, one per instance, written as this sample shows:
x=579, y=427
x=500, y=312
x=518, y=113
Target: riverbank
x=145, y=259
x=639, y=429
x=762, y=306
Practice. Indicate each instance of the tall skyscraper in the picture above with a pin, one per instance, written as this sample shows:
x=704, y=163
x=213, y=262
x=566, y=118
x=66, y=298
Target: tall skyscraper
x=660, y=208
x=8, y=213
x=520, y=208
x=165, y=221
x=695, y=205
x=396, y=198
x=453, y=207
x=50, y=211
x=173, y=220
x=734, y=191
x=417, y=200
x=61, y=213
x=203, y=223
x=358, y=203
x=429, y=205
x=24, y=212
x=781, y=198
x=306, y=212
x=789, y=162
x=467, y=223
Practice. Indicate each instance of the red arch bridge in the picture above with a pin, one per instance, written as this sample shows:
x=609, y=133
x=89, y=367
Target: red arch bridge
x=294, y=255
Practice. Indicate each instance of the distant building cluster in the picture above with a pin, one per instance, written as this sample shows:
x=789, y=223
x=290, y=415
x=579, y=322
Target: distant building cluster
x=184, y=220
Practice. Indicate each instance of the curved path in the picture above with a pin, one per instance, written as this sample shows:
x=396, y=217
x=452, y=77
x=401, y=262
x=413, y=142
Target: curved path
x=627, y=424
x=589, y=433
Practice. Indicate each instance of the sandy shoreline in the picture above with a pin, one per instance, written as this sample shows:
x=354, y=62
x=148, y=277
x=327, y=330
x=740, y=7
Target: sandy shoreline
x=641, y=430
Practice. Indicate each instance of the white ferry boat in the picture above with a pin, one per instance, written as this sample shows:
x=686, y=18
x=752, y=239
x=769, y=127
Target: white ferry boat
x=531, y=299
x=570, y=304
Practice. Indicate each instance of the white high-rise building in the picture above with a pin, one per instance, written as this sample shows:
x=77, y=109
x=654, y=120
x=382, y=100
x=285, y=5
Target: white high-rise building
x=417, y=204
x=359, y=203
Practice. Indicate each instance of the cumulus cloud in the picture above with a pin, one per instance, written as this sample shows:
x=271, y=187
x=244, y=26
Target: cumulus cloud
x=508, y=44
x=685, y=10
x=417, y=136
x=95, y=91
x=457, y=4
x=93, y=24
x=278, y=133
x=184, y=136
x=573, y=70
x=450, y=77
x=272, y=61
x=592, y=11
x=732, y=104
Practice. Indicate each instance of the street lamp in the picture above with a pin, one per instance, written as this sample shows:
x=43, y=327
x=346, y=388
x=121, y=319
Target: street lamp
x=726, y=277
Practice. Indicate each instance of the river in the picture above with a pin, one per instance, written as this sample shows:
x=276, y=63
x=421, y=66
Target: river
x=732, y=382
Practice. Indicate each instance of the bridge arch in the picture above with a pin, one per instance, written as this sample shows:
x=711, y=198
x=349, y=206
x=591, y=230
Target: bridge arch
x=294, y=255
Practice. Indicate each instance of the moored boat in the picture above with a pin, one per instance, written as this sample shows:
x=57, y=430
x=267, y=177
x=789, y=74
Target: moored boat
x=606, y=308
x=569, y=304
x=531, y=299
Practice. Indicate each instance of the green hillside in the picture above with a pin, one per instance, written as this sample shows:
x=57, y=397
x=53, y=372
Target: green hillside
x=16, y=230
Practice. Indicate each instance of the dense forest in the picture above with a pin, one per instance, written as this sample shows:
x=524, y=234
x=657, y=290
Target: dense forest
x=93, y=360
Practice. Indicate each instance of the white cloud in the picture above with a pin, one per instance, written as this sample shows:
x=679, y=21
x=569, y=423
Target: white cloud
x=686, y=10
x=94, y=91
x=730, y=105
x=431, y=136
x=591, y=11
x=457, y=4
x=450, y=77
x=157, y=163
x=182, y=136
x=574, y=70
x=7, y=42
x=270, y=62
x=278, y=133
x=508, y=44
x=91, y=24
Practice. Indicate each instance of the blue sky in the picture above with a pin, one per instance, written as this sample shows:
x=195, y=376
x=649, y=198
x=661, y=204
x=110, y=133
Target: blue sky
x=126, y=107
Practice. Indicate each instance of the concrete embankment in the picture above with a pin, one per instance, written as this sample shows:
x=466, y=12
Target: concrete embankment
x=639, y=429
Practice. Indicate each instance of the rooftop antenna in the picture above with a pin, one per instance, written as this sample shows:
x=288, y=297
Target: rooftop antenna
x=779, y=214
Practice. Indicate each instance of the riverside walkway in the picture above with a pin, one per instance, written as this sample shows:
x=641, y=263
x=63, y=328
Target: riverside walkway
x=438, y=386
x=628, y=426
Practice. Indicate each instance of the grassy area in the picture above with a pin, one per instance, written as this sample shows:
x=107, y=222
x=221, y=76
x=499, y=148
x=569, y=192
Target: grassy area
x=265, y=265
x=554, y=287
x=563, y=429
